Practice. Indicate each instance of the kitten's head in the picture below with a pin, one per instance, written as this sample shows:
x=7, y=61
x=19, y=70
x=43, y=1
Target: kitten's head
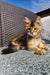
x=33, y=28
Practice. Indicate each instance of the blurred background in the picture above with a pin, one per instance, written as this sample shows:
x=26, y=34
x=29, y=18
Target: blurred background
x=31, y=5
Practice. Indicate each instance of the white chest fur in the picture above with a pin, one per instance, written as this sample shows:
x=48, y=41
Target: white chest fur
x=34, y=42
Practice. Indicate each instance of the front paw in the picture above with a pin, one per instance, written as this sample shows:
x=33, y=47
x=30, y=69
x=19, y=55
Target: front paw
x=40, y=52
x=46, y=48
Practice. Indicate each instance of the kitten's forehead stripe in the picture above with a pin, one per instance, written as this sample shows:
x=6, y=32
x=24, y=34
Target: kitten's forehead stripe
x=32, y=23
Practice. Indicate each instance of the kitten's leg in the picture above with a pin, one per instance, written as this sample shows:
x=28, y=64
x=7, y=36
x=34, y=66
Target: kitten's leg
x=16, y=39
x=40, y=52
x=36, y=50
x=23, y=48
x=15, y=43
x=16, y=47
x=42, y=46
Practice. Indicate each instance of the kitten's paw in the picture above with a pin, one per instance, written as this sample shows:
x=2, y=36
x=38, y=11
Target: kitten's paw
x=40, y=52
x=46, y=48
x=23, y=48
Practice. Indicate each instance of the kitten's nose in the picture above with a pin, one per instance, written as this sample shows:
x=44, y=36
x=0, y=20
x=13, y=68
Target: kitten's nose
x=32, y=31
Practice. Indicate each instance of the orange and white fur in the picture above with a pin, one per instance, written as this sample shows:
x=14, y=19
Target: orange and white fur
x=30, y=40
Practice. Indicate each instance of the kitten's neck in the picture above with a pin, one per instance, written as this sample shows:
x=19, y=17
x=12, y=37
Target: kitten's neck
x=38, y=36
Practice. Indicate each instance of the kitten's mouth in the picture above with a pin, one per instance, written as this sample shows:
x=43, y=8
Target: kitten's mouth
x=33, y=34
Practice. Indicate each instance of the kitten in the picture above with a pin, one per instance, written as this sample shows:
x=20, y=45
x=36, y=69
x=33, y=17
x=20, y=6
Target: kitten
x=30, y=40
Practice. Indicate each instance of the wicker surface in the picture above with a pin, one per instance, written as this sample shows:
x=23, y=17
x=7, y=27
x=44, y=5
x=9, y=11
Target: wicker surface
x=0, y=29
x=12, y=18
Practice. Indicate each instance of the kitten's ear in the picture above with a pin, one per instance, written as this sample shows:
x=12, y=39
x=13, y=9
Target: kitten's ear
x=38, y=21
x=27, y=20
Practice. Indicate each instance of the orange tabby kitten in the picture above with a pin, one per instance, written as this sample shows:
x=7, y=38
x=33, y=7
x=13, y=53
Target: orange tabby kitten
x=30, y=40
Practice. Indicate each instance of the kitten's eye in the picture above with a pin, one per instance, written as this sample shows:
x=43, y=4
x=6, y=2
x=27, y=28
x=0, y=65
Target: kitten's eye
x=29, y=28
x=35, y=28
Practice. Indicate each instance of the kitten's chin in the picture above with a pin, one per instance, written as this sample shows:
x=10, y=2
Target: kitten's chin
x=32, y=35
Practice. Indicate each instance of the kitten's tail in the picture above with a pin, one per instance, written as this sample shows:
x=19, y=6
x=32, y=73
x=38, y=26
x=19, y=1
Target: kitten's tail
x=7, y=51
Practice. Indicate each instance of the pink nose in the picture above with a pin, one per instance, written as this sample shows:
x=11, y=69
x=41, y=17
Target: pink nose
x=32, y=31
